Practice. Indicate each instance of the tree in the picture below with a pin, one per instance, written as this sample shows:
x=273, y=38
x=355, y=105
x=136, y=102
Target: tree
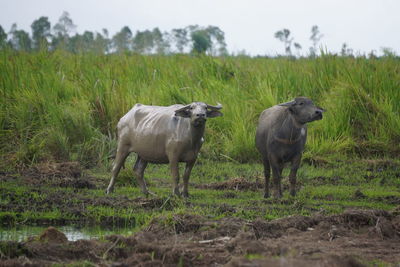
x=102, y=42
x=82, y=43
x=149, y=42
x=121, y=41
x=315, y=38
x=40, y=32
x=65, y=25
x=346, y=51
x=75, y=43
x=160, y=43
x=388, y=52
x=210, y=39
x=298, y=48
x=88, y=41
x=284, y=36
x=143, y=42
x=180, y=38
x=201, y=41
x=62, y=30
x=3, y=38
x=20, y=39
x=218, y=40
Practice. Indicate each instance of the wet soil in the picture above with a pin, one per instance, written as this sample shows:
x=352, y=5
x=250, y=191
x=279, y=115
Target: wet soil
x=353, y=238
x=239, y=183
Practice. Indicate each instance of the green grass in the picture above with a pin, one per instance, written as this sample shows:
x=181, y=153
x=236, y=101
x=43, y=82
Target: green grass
x=58, y=106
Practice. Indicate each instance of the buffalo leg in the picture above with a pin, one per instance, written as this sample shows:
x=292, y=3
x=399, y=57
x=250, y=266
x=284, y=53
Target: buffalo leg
x=138, y=170
x=267, y=173
x=122, y=153
x=292, y=175
x=174, y=166
x=186, y=175
x=277, y=168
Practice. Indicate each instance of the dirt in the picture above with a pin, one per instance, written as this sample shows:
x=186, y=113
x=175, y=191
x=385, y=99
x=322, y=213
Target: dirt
x=52, y=235
x=62, y=174
x=239, y=183
x=352, y=238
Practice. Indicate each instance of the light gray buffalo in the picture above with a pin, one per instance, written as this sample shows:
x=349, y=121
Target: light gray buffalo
x=163, y=135
x=280, y=137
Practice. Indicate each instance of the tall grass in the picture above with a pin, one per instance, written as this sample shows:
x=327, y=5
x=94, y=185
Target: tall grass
x=60, y=106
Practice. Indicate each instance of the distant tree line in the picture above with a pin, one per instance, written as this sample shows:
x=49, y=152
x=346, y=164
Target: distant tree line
x=285, y=37
x=191, y=39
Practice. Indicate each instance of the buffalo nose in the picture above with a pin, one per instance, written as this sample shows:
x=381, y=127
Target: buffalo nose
x=200, y=115
x=318, y=112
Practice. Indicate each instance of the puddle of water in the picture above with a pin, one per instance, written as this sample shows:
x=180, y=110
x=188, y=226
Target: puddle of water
x=73, y=233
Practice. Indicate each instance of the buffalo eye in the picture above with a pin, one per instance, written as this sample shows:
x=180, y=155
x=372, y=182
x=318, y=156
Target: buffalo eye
x=301, y=103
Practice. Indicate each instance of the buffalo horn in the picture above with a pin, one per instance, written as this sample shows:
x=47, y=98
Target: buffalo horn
x=290, y=103
x=217, y=107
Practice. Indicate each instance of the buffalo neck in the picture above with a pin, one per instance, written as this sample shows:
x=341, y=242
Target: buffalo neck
x=290, y=131
x=197, y=133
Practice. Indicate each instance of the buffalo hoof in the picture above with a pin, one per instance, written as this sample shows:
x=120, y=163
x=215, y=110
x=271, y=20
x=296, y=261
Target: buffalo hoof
x=277, y=195
x=149, y=193
x=266, y=195
x=185, y=194
x=109, y=191
x=176, y=192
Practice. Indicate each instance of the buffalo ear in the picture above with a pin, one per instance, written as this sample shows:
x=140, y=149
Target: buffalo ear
x=213, y=113
x=290, y=106
x=183, y=112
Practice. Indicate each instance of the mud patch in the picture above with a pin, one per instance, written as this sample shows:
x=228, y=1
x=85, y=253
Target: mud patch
x=352, y=238
x=328, y=261
x=234, y=184
x=52, y=235
x=53, y=169
x=379, y=165
x=317, y=161
x=389, y=199
x=323, y=180
x=63, y=174
x=277, y=228
x=355, y=218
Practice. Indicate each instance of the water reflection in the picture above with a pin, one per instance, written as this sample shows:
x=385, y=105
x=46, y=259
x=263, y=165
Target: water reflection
x=73, y=233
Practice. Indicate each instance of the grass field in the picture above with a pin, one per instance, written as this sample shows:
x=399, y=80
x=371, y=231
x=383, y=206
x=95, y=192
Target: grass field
x=62, y=107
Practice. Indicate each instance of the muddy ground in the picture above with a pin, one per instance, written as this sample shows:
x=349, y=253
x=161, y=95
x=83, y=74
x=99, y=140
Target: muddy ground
x=353, y=238
x=356, y=237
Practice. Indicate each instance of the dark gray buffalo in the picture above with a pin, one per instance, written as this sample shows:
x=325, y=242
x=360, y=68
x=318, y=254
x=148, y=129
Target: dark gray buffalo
x=280, y=138
x=162, y=135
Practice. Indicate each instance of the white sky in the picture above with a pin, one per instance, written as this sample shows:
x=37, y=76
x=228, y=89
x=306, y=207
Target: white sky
x=364, y=25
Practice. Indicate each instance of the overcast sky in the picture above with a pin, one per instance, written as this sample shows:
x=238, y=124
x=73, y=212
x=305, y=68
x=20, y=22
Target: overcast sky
x=249, y=25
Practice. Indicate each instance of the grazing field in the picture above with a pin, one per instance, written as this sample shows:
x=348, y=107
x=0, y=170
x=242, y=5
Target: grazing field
x=57, y=123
